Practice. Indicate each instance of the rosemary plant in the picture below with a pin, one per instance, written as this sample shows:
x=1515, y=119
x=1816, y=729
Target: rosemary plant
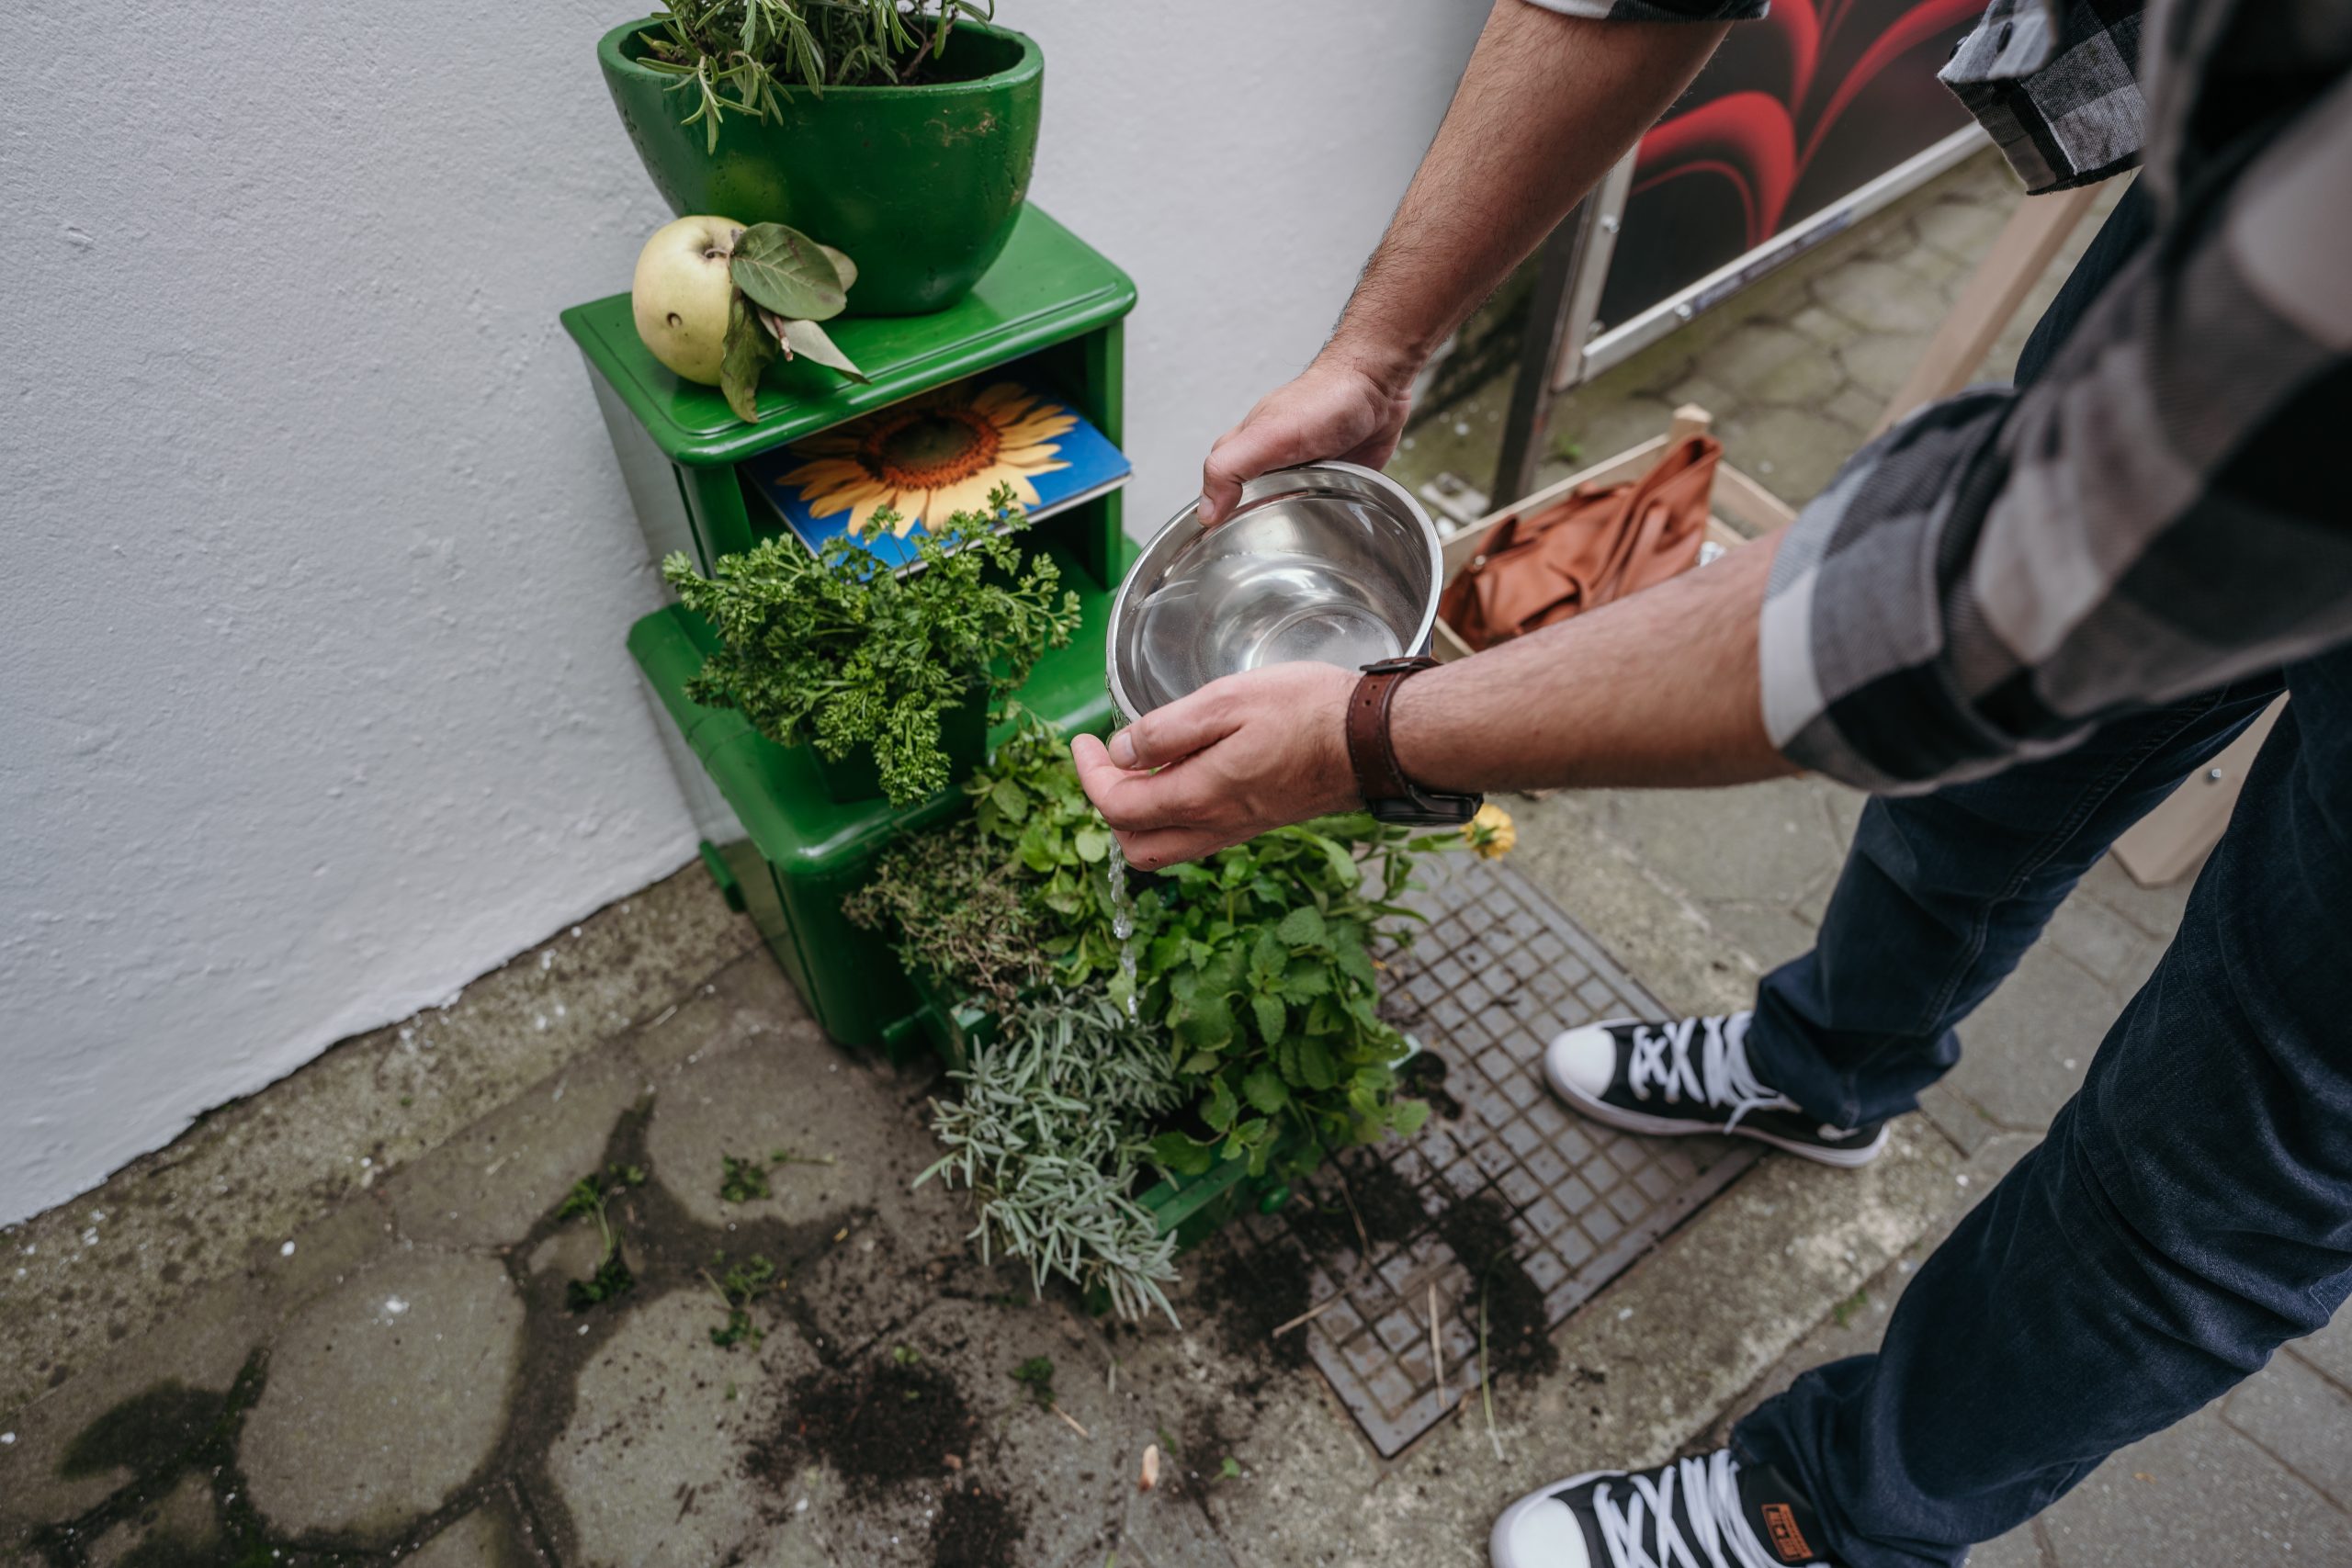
x=1051, y=1136
x=737, y=55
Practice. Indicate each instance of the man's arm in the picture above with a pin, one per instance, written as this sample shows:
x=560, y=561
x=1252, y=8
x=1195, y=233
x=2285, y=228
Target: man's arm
x=2153, y=517
x=1656, y=689
x=1548, y=102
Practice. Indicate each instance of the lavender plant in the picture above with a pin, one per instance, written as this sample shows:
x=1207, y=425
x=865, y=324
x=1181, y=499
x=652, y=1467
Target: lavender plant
x=1050, y=1134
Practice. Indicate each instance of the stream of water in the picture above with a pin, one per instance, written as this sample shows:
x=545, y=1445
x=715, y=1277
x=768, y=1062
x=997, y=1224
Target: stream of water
x=1122, y=916
x=1123, y=909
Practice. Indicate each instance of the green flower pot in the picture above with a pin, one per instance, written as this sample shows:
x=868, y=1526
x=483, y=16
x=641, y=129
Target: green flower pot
x=920, y=185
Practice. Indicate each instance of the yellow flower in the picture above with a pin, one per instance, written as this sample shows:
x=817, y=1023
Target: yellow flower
x=937, y=454
x=1490, y=832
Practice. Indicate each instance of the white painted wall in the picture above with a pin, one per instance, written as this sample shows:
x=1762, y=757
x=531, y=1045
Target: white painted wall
x=312, y=698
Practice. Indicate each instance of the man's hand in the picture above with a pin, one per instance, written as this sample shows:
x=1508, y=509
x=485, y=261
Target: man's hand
x=1242, y=755
x=1341, y=406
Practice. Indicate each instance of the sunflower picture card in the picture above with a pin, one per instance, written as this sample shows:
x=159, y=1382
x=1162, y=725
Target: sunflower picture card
x=935, y=455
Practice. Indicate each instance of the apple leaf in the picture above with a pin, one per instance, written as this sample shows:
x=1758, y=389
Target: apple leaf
x=742, y=357
x=809, y=340
x=785, y=271
x=842, y=265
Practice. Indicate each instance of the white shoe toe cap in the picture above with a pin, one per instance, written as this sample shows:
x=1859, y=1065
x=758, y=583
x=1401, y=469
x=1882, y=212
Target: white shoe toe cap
x=1536, y=1532
x=1580, y=1062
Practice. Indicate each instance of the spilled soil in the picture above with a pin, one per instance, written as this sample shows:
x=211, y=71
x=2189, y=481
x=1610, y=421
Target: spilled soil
x=1256, y=1292
x=975, y=1528
x=1391, y=1210
x=873, y=1425
x=1477, y=1230
x=1423, y=1078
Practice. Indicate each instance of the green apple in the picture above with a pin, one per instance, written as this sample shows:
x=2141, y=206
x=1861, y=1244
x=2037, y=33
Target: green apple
x=681, y=293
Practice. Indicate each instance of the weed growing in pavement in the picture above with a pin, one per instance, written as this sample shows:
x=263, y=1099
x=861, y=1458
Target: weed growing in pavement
x=737, y=1288
x=741, y=1180
x=589, y=1196
x=1037, y=1375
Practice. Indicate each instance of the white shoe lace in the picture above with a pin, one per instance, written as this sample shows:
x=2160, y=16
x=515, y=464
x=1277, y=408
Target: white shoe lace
x=1720, y=1076
x=1711, y=1507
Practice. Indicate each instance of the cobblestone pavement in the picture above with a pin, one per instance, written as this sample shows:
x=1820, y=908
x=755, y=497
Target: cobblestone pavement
x=336, y=1322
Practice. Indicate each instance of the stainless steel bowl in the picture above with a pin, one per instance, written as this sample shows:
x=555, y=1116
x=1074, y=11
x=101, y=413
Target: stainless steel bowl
x=1328, y=561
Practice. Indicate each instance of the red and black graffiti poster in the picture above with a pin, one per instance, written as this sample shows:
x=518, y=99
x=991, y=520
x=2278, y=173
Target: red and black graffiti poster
x=1796, y=111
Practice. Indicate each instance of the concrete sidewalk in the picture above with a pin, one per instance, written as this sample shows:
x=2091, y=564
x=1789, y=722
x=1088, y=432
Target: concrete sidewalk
x=357, y=1350
x=334, y=1324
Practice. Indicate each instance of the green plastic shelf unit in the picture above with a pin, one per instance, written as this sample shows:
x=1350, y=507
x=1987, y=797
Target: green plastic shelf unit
x=780, y=847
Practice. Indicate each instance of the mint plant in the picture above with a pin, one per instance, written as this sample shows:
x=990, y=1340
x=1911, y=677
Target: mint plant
x=1260, y=965
x=1031, y=811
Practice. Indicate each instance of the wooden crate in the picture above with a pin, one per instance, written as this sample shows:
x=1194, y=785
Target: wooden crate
x=1736, y=498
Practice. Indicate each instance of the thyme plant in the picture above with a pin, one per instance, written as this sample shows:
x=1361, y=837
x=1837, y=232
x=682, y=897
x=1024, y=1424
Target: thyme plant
x=840, y=650
x=1051, y=1136
x=958, y=912
x=737, y=56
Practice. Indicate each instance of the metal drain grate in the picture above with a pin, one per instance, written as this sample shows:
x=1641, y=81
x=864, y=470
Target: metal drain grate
x=1497, y=971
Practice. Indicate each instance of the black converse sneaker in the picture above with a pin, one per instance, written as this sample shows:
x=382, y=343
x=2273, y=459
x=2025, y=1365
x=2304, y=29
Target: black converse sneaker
x=1692, y=1075
x=1703, y=1512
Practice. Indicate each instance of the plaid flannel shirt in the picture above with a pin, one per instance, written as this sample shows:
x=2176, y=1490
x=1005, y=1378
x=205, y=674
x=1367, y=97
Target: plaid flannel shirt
x=2156, y=515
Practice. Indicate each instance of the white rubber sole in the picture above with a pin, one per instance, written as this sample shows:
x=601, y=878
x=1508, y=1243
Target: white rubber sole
x=1499, y=1551
x=1669, y=1127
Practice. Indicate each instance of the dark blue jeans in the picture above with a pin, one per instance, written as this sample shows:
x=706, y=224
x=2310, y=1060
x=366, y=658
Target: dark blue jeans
x=2191, y=1207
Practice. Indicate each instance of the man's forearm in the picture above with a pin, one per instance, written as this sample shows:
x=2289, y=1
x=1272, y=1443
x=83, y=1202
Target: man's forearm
x=1658, y=689
x=1548, y=104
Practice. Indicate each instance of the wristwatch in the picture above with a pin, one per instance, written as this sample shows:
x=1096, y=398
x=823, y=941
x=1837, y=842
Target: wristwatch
x=1387, y=794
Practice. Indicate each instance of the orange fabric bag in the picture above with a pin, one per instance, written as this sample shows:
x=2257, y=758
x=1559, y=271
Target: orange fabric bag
x=1596, y=544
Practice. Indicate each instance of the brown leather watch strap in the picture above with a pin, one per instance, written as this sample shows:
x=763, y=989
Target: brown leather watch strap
x=1370, y=753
